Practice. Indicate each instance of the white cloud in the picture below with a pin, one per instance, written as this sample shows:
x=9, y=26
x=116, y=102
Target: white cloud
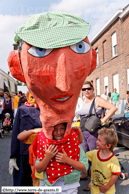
x=77, y=7
x=95, y=12
x=8, y=24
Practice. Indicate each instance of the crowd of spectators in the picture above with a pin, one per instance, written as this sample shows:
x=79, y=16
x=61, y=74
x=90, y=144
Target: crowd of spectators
x=12, y=102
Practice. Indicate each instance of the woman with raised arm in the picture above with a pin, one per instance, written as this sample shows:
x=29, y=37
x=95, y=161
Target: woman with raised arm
x=89, y=139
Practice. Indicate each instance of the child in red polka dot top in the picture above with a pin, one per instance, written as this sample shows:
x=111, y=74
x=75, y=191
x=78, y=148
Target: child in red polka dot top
x=62, y=163
x=61, y=159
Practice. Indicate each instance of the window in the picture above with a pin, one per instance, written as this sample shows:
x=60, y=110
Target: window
x=97, y=62
x=116, y=82
x=114, y=44
x=98, y=87
x=6, y=87
x=104, y=51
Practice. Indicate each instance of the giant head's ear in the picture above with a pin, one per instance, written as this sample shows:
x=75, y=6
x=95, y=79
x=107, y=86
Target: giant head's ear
x=14, y=66
x=93, y=63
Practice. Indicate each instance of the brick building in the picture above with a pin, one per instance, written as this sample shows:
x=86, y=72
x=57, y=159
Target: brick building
x=112, y=47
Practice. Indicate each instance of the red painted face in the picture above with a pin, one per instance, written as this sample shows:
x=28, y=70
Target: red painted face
x=56, y=76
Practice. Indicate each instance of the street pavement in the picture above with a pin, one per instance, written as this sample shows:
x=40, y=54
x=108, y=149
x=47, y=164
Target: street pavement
x=5, y=177
x=122, y=187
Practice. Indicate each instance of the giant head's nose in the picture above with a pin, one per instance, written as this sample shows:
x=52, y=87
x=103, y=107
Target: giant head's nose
x=62, y=82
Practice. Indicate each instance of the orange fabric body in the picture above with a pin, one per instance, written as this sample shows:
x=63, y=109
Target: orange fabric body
x=32, y=160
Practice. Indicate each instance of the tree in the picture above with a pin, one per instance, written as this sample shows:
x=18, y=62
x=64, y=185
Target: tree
x=19, y=83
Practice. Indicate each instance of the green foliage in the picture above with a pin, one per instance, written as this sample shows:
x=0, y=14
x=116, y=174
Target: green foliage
x=19, y=83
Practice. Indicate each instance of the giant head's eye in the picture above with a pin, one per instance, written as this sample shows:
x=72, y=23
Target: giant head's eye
x=80, y=47
x=39, y=52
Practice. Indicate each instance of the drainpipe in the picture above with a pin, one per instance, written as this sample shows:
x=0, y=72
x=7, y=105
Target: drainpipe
x=121, y=51
x=122, y=81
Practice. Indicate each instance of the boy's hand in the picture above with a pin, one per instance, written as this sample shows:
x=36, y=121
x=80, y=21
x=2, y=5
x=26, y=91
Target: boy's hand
x=51, y=151
x=62, y=157
x=103, y=188
x=75, y=128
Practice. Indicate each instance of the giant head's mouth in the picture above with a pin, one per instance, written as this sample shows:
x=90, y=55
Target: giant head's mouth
x=62, y=98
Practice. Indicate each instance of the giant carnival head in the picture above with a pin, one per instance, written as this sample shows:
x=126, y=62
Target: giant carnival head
x=54, y=57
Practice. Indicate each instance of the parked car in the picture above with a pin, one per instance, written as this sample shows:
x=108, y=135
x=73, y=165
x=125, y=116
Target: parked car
x=120, y=123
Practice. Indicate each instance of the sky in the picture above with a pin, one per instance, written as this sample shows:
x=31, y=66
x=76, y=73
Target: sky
x=14, y=12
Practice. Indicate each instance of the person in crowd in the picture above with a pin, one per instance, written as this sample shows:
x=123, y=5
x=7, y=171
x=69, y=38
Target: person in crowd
x=0, y=105
x=15, y=100
x=7, y=123
x=89, y=139
x=29, y=136
x=127, y=102
x=115, y=98
x=22, y=100
x=27, y=118
x=60, y=155
x=7, y=120
x=105, y=96
x=105, y=165
x=7, y=102
x=24, y=95
x=109, y=94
